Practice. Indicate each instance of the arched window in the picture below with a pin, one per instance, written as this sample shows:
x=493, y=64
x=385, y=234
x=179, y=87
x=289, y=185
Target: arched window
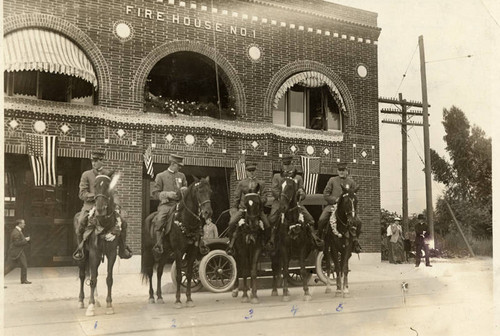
x=186, y=83
x=43, y=64
x=309, y=100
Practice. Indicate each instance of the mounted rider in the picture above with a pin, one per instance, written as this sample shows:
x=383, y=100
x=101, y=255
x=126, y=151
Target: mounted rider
x=168, y=188
x=289, y=171
x=87, y=195
x=332, y=193
x=250, y=184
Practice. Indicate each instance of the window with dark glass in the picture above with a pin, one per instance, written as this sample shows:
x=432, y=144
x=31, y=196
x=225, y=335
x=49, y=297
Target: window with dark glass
x=188, y=83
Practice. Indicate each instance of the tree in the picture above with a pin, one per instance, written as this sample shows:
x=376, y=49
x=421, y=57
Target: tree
x=466, y=175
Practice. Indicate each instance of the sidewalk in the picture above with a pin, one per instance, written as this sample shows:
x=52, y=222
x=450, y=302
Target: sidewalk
x=62, y=283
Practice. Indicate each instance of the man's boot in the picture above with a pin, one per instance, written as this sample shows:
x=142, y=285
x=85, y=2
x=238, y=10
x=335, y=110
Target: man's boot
x=318, y=242
x=158, y=248
x=230, y=249
x=356, y=247
x=270, y=244
x=78, y=255
x=123, y=250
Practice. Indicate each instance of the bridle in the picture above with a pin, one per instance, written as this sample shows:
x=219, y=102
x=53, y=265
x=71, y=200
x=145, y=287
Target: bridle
x=289, y=199
x=200, y=204
x=346, y=213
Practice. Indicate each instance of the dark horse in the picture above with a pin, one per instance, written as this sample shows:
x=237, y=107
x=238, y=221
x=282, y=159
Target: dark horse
x=339, y=246
x=249, y=242
x=183, y=238
x=102, y=240
x=293, y=239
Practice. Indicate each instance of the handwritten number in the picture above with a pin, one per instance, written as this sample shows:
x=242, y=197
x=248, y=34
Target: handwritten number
x=340, y=308
x=250, y=313
x=95, y=325
x=294, y=310
x=173, y=323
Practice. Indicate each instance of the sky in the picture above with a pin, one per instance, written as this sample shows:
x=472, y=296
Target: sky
x=452, y=29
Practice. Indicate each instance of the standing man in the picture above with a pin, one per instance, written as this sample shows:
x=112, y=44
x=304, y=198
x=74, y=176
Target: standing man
x=87, y=195
x=396, y=241
x=332, y=192
x=168, y=187
x=16, y=253
x=250, y=184
x=289, y=171
x=421, y=233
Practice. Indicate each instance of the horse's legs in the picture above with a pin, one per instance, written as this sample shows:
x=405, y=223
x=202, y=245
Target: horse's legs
x=275, y=265
x=159, y=274
x=111, y=256
x=236, y=286
x=338, y=271
x=151, y=291
x=303, y=273
x=328, y=265
x=178, y=280
x=191, y=254
x=81, y=297
x=93, y=268
x=253, y=274
x=244, y=297
x=285, y=264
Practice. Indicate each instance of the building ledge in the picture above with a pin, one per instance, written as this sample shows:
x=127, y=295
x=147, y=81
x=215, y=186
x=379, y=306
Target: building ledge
x=132, y=119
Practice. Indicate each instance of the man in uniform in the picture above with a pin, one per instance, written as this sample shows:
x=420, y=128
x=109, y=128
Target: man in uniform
x=332, y=192
x=289, y=171
x=421, y=233
x=87, y=195
x=168, y=188
x=250, y=184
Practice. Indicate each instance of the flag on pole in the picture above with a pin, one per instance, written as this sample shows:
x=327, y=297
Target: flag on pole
x=148, y=161
x=42, y=152
x=310, y=167
x=240, y=169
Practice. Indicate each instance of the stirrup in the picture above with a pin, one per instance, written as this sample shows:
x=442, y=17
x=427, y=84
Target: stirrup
x=78, y=255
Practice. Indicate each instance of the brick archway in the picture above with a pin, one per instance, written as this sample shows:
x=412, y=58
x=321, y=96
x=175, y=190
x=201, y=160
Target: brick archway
x=228, y=74
x=300, y=66
x=74, y=33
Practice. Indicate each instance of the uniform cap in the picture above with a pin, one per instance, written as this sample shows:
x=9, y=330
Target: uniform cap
x=97, y=155
x=341, y=165
x=286, y=159
x=420, y=216
x=177, y=159
x=251, y=166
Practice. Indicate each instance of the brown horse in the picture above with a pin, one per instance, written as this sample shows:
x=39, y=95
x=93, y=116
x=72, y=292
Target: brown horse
x=249, y=242
x=339, y=246
x=293, y=240
x=101, y=242
x=183, y=238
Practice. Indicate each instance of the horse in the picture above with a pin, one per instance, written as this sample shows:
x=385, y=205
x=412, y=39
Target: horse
x=102, y=240
x=339, y=246
x=293, y=240
x=183, y=238
x=248, y=246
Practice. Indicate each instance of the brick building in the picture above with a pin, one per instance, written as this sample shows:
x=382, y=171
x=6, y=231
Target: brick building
x=209, y=80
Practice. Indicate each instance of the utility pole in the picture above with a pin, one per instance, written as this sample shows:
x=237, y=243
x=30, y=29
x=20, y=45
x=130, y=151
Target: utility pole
x=403, y=112
x=427, y=151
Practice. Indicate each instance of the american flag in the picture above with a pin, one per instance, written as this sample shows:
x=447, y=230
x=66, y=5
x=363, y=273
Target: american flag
x=310, y=167
x=148, y=161
x=240, y=169
x=42, y=152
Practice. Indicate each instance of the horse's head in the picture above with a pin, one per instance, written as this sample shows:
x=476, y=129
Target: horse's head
x=253, y=206
x=347, y=207
x=202, y=193
x=104, y=186
x=288, y=195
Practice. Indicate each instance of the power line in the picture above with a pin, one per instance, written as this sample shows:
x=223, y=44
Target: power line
x=404, y=75
x=489, y=13
x=449, y=59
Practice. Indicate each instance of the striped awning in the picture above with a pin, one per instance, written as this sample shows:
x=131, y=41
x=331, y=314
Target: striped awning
x=44, y=50
x=310, y=79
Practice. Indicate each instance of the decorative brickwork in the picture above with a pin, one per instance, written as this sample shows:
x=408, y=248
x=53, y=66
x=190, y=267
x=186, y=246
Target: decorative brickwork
x=66, y=28
x=229, y=74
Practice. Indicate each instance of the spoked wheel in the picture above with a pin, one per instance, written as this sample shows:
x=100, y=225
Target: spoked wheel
x=218, y=271
x=321, y=269
x=295, y=278
x=195, y=280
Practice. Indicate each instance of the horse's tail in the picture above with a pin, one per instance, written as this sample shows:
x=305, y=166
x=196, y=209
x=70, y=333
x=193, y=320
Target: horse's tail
x=148, y=261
